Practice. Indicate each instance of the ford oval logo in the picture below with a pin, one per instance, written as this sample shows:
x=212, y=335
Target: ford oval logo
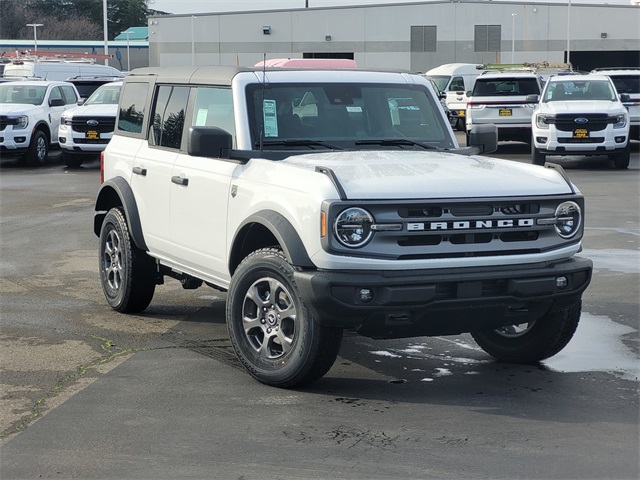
x=581, y=120
x=93, y=123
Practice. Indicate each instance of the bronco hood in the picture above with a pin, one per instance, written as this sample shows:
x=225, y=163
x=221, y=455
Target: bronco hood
x=410, y=174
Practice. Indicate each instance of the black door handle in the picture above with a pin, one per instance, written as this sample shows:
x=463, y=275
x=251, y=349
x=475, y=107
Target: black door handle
x=180, y=181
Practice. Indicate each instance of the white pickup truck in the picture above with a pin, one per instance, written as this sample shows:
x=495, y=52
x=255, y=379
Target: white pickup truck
x=30, y=113
x=325, y=200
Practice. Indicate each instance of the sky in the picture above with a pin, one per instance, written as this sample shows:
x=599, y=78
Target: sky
x=208, y=6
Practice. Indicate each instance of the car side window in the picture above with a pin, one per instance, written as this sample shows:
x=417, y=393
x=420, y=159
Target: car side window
x=213, y=107
x=55, y=94
x=69, y=95
x=132, y=103
x=168, y=116
x=457, y=84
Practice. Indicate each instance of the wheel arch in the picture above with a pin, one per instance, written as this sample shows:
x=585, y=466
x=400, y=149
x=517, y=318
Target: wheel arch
x=116, y=192
x=44, y=127
x=266, y=229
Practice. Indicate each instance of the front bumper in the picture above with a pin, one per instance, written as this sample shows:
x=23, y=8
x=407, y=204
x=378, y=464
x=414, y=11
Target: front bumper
x=602, y=142
x=444, y=301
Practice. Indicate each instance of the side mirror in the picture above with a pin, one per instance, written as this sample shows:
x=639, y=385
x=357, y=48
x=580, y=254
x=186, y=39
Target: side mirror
x=81, y=101
x=468, y=93
x=211, y=142
x=625, y=97
x=532, y=98
x=56, y=102
x=484, y=137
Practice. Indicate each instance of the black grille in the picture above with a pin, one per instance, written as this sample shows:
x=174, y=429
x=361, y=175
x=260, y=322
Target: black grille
x=595, y=121
x=4, y=121
x=105, y=124
x=581, y=140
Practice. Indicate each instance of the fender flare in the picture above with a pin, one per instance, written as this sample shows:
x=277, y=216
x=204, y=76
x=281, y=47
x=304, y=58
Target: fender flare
x=284, y=232
x=113, y=192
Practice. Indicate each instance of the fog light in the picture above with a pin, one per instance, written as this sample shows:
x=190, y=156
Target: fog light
x=20, y=139
x=62, y=139
x=620, y=139
x=541, y=139
x=366, y=295
x=562, y=282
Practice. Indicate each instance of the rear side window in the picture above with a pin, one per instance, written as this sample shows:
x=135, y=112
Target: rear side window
x=69, y=95
x=132, y=103
x=168, y=117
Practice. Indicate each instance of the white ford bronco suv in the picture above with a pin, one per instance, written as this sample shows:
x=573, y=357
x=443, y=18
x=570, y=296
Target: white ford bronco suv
x=30, y=115
x=325, y=200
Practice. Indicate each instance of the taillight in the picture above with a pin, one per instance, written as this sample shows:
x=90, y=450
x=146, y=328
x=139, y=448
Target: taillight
x=102, y=167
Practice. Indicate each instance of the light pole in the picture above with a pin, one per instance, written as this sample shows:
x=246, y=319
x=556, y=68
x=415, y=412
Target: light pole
x=513, y=36
x=193, y=44
x=35, y=35
x=568, y=34
x=127, y=33
x=105, y=30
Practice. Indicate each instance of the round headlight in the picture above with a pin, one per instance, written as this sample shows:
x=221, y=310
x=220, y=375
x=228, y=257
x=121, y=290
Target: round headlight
x=353, y=227
x=568, y=219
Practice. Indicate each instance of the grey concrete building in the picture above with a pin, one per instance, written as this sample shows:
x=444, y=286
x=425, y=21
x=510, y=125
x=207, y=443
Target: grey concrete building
x=414, y=35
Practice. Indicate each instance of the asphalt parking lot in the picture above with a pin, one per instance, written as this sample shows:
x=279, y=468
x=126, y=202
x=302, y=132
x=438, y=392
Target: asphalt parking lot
x=90, y=393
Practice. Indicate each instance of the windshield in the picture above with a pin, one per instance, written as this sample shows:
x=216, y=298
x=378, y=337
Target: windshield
x=568, y=90
x=346, y=115
x=441, y=81
x=105, y=95
x=26, y=93
x=505, y=87
x=626, y=83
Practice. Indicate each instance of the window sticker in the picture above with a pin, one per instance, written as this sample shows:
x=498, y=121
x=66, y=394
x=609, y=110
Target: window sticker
x=201, y=118
x=269, y=118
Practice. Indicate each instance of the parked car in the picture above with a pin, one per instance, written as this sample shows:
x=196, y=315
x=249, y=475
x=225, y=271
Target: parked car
x=324, y=200
x=627, y=81
x=580, y=115
x=85, y=130
x=30, y=115
x=500, y=98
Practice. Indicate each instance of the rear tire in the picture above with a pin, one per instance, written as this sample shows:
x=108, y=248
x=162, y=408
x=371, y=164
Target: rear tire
x=128, y=275
x=276, y=336
x=531, y=342
x=38, y=150
x=621, y=160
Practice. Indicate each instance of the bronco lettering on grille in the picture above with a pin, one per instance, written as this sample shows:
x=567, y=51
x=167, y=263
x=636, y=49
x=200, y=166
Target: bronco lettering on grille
x=470, y=225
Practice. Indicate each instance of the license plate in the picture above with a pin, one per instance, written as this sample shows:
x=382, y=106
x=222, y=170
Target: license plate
x=581, y=133
x=505, y=112
x=92, y=135
x=461, y=113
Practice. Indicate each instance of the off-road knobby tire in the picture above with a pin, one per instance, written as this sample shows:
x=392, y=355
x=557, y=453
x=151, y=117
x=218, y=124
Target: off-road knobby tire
x=38, y=150
x=312, y=349
x=547, y=336
x=621, y=159
x=128, y=275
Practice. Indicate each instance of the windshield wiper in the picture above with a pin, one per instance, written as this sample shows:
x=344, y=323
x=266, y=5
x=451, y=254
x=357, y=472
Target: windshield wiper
x=395, y=142
x=296, y=142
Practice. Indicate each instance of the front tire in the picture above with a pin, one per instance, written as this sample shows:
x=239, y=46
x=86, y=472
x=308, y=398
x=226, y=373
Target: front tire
x=128, y=274
x=38, y=150
x=276, y=336
x=532, y=342
x=538, y=157
x=72, y=161
x=621, y=160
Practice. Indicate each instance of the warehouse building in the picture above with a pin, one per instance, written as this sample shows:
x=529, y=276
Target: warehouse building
x=413, y=36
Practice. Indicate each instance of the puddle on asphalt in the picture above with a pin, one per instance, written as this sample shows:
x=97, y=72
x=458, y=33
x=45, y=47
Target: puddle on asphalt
x=596, y=347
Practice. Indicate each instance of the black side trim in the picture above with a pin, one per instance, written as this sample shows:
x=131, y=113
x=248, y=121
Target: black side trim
x=105, y=200
x=282, y=230
x=334, y=179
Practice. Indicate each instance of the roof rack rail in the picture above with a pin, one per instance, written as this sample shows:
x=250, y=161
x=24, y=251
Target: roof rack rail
x=600, y=69
x=526, y=66
x=48, y=56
